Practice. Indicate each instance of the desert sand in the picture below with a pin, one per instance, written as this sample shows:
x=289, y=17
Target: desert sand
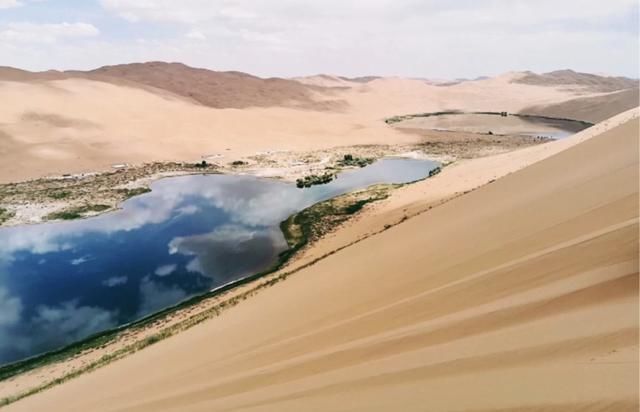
x=76, y=122
x=519, y=295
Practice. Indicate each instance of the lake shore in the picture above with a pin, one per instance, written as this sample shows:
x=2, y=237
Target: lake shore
x=92, y=193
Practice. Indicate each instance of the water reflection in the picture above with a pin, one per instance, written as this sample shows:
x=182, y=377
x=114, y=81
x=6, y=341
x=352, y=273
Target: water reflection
x=60, y=282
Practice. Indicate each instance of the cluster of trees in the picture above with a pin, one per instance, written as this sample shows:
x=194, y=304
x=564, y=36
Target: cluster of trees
x=435, y=171
x=311, y=180
x=349, y=160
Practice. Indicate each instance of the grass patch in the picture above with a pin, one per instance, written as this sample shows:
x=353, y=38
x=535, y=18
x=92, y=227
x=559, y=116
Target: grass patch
x=5, y=215
x=76, y=212
x=129, y=193
x=61, y=194
x=313, y=222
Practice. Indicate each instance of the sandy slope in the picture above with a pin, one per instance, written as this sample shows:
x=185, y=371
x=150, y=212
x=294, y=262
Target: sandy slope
x=592, y=109
x=521, y=295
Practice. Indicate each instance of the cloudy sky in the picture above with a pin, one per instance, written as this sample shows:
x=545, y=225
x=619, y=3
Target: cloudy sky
x=419, y=38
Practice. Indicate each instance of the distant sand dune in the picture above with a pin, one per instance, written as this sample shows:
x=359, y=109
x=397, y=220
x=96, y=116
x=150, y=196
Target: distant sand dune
x=159, y=111
x=519, y=296
x=587, y=81
x=591, y=109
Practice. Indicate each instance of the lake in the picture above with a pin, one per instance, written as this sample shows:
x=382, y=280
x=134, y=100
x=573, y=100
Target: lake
x=512, y=124
x=63, y=281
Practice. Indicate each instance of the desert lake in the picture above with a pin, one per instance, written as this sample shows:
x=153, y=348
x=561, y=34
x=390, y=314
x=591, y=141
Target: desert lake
x=63, y=281
x=494, y=123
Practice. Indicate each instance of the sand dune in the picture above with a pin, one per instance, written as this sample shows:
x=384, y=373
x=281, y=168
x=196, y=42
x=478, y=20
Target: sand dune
x=587, y=81
x=70, y=122
x=521, y=295
x=207, y=87
x=591, y=109
x=98, y=124
x=214, y=89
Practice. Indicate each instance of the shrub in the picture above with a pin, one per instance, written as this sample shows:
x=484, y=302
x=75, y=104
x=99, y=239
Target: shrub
x=59, y=195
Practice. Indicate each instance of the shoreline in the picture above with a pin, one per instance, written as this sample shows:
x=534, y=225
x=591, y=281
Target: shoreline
x=90, y=194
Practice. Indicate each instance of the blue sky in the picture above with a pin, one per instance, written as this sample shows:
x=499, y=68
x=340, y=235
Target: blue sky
x=418, y=38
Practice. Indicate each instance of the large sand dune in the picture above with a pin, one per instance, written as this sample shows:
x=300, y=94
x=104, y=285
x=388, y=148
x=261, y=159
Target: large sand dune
x=70, y=122
x=521, y=295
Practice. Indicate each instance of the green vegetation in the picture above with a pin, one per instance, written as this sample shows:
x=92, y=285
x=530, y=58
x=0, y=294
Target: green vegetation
x=5, y=215
x=397, y=119
x=349, y=160
x=59, y=194
x=76, y=212
x=435, y=171
x=238, y=163
x=202, y=165
x=128, y=193
x=311, y=223
x=311, y=180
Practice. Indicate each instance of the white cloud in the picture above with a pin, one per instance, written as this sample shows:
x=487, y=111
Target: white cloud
x=278, y=14
x=394, y=37
x=422, y=38
x=68, y=322
x=115, y=281
x=230, y=251
x=155, y=296
x=79, y=261
x=26, y=32
x=8, y=4
x=10, y=308
x=188, y=210
x=56, y=325
x=166, y=270
x=195, y=35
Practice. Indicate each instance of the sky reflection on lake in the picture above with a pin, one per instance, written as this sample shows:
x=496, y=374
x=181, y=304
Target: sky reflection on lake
x=60, y=282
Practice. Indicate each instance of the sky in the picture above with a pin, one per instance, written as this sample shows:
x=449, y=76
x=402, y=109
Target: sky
x=285, y=38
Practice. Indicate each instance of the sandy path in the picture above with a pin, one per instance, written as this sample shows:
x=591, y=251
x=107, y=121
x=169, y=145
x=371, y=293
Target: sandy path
x=521, y=295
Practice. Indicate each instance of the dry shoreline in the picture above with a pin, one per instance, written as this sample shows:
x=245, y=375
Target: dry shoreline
x=92, y=193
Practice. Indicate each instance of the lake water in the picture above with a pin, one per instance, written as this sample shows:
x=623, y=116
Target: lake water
x=63, y=281
x=499, y=125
